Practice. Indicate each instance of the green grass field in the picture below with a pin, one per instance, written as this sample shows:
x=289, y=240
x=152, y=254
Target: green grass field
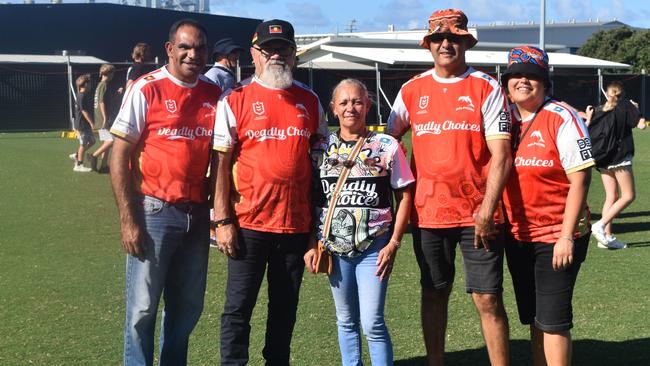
x=62, y=280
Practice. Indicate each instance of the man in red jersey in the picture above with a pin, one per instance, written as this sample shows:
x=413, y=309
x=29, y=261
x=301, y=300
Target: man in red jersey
x=262, y=205
x=158, y=170
x=461, y=157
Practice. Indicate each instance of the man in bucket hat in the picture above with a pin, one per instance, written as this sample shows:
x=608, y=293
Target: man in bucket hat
x=461, y=150
x=262, y=136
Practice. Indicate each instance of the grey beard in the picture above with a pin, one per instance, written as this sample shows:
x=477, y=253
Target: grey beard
x=276, y=77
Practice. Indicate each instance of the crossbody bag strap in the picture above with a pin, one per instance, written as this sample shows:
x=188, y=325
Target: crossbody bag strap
x=347, y=166
x=520, y=136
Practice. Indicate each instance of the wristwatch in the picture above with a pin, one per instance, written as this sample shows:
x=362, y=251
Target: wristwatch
x=396, y=243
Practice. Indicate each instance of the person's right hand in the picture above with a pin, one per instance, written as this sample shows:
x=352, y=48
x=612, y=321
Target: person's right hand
x=311, y=255
x=133, y=240
x=227, y=240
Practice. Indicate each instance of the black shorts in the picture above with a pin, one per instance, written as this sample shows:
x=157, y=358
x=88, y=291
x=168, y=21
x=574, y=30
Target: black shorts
x=435, y=250
x=544, y=295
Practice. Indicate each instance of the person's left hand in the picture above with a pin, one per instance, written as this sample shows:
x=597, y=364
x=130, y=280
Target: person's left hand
x=385, y=261
x=484, y=231
x=562, y=254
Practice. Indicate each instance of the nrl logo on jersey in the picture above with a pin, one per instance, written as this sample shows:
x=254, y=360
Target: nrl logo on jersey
x=538, y=140
x=170, y=104
x=258, y=108
x=424, y=101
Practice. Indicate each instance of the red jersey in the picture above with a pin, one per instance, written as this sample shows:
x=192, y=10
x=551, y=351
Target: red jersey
x=450, y=121
x=269, y=130
x=171, y=122
x=555, y=145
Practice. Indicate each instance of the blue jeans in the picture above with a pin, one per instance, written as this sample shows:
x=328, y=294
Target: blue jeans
x=359, y=297
x=175, y=266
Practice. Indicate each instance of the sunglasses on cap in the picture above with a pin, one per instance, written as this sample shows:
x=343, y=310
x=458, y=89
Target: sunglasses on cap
x=451, y=38
x=270, y=51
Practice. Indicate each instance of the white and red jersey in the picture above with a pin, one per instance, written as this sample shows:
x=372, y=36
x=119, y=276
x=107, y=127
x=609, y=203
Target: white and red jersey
x=171, y=122
x=556, y=144
x=269, y=130
x=450, y=121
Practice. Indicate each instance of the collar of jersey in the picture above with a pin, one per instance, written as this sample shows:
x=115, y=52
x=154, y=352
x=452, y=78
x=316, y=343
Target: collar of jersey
x=178, y=82
x=257, y=80
x=220, y=66
x=530, y=117
x=451, y=80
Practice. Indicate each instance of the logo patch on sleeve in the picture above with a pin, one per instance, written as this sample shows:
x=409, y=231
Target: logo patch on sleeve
x=504, y=121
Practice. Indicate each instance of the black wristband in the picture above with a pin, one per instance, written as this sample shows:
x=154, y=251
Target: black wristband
x=223, y=222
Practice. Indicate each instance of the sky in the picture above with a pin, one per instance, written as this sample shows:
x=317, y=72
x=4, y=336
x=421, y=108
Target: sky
x=375, y=15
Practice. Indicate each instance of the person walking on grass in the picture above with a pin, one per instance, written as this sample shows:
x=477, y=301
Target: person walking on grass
x=460, y=130
x=83, y=123
x=158, y=169
x=102, y=118
x=610, y=128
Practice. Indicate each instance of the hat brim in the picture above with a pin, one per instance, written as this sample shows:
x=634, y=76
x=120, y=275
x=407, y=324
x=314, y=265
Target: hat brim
x=459, y=32
x=284, y=39
x=526, y=69
x=228, y=50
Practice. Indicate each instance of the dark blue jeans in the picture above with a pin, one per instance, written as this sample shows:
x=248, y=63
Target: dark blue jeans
x=281, y=256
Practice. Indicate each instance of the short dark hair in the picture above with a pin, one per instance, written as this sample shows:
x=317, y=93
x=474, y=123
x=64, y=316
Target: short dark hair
x=189, y=22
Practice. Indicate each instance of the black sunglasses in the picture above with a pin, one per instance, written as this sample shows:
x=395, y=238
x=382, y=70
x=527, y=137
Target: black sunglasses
x=451, y=38
x=270, y=51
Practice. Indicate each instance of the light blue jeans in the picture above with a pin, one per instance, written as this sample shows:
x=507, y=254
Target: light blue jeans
x=175, y=266
x=359, y=297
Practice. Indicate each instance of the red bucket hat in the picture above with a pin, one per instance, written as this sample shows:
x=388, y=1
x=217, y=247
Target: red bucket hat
x=452, y=21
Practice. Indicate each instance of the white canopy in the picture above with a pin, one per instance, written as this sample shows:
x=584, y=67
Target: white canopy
x=362, y=54
x=49, y=59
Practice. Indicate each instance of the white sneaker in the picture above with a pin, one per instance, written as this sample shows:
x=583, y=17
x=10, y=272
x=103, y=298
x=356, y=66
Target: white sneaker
x=615, y=244
x=598, y=231
x=73, y=157
x=82, y=169
x=602, y=246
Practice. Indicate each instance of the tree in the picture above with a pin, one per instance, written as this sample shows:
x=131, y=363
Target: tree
x=620, y=45
x=635, y=50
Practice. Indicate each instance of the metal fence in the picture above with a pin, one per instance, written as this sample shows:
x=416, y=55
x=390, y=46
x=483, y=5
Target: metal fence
x=579, y=89
x=34, y=97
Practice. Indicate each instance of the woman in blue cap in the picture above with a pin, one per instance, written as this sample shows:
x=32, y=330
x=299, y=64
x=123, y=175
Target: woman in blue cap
x=545, y=200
